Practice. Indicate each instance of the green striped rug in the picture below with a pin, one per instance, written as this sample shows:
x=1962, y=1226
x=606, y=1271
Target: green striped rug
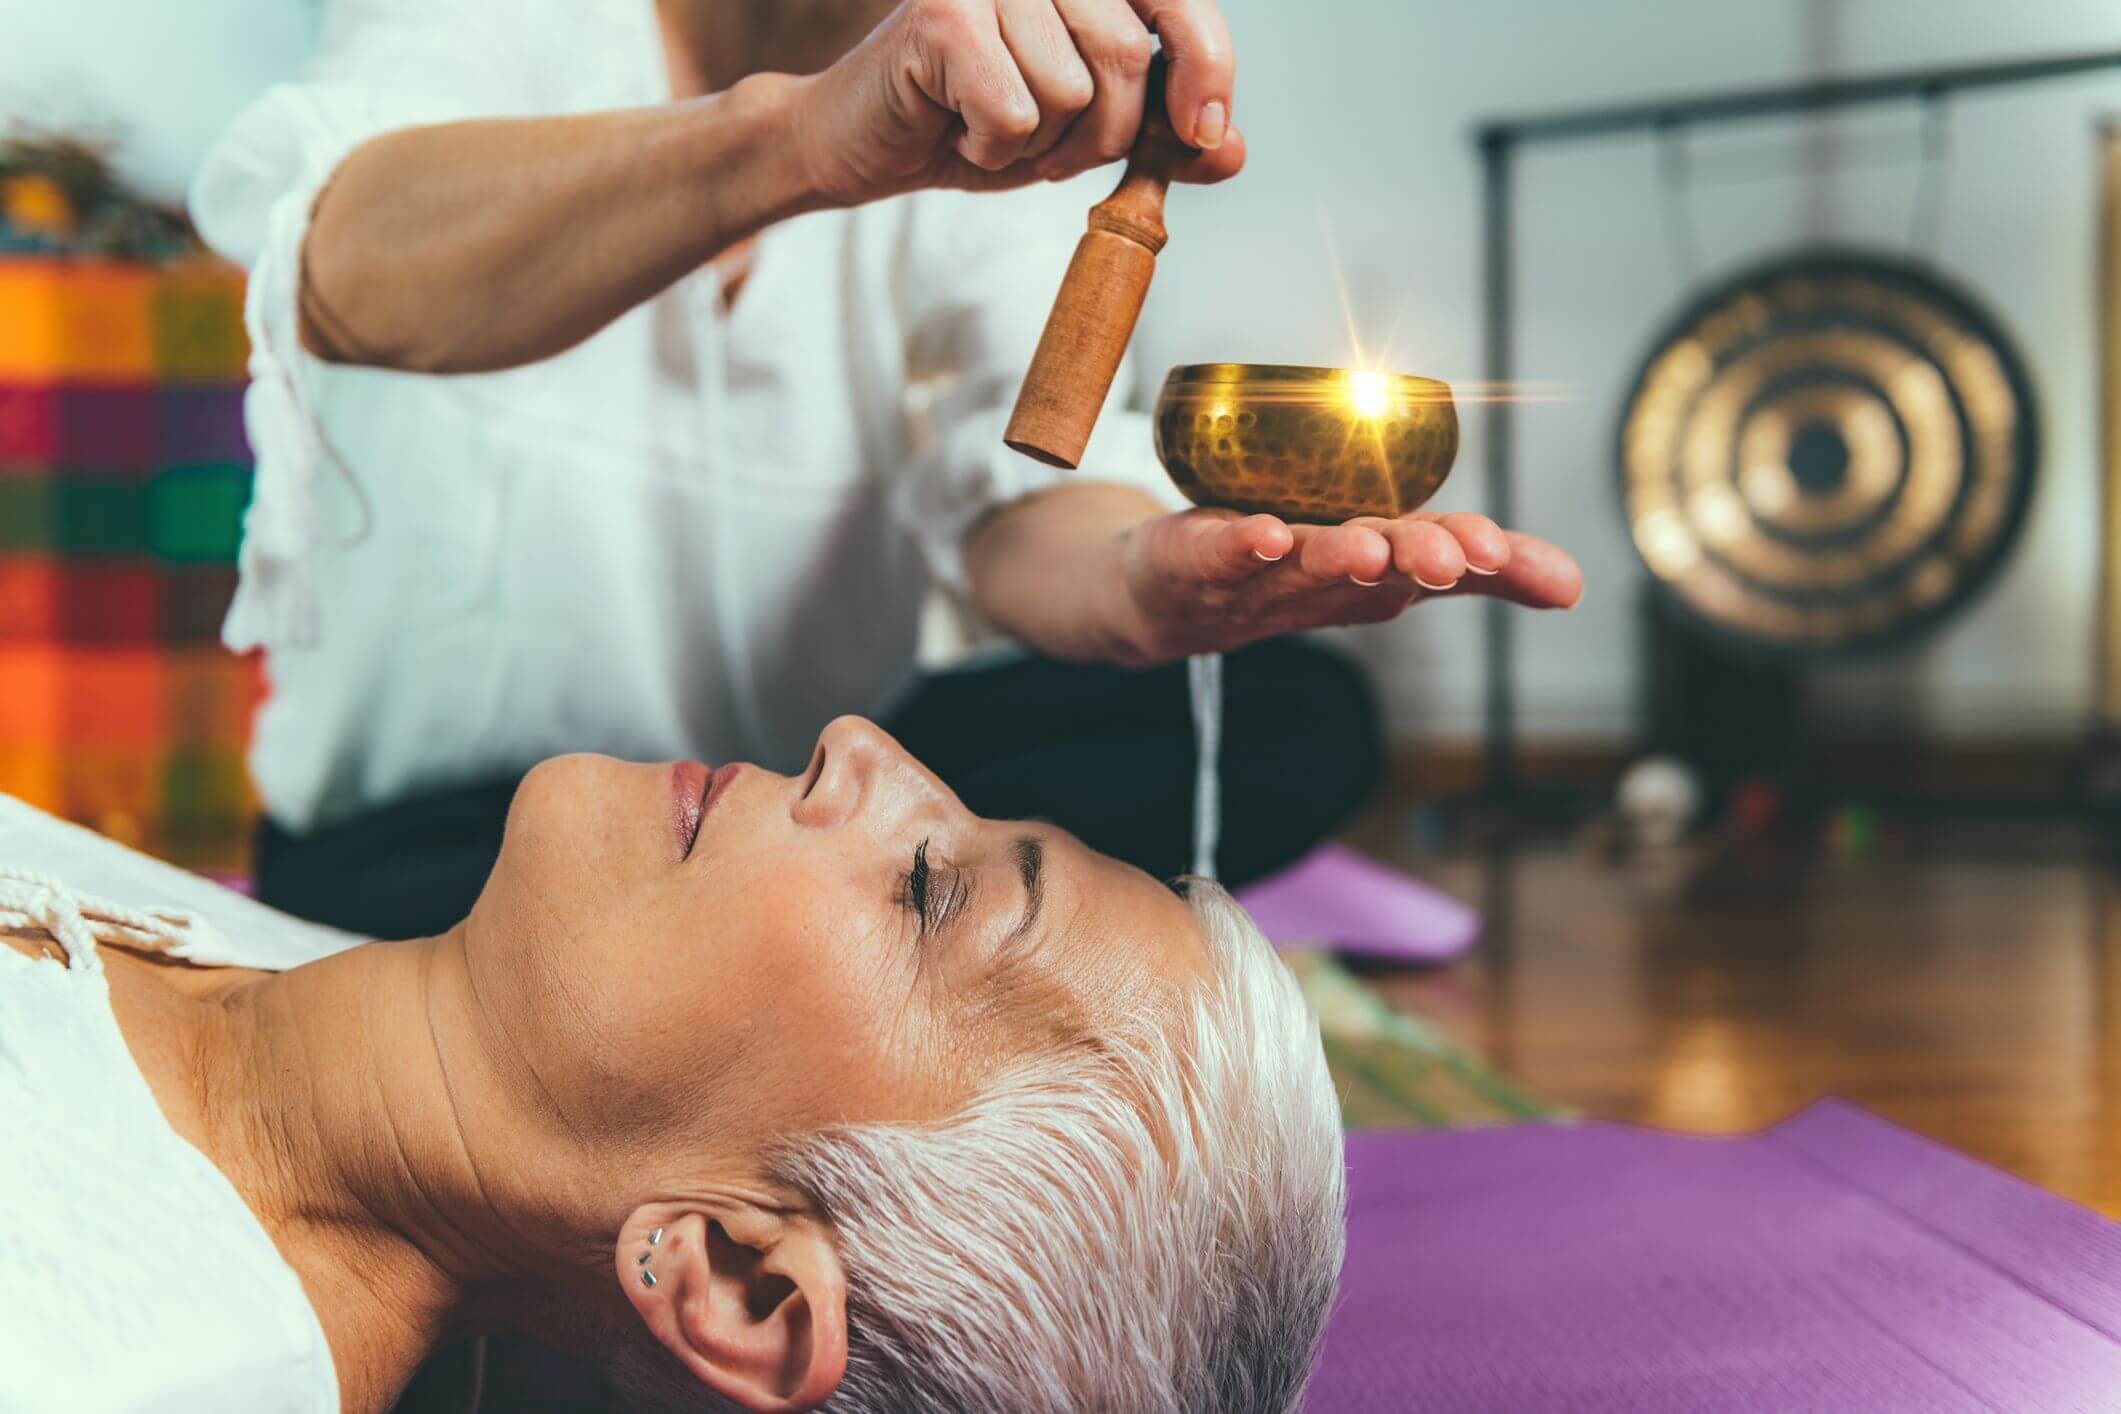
x=1396, y=1071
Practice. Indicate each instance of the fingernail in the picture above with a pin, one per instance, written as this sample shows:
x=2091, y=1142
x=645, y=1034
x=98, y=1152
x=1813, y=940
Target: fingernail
x=1437, y=588
x=1476, y=569
x=1266, y=559
x=1209, y=127
x=1365, y=583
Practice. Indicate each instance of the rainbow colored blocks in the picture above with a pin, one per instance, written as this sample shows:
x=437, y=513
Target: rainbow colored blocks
x=124, y=474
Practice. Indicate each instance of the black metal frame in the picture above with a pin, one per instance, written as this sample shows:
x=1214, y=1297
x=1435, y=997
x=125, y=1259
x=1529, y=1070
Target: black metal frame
x=1498, y=141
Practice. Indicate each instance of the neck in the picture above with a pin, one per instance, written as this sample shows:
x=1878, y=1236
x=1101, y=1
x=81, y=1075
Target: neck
x=378, y=1144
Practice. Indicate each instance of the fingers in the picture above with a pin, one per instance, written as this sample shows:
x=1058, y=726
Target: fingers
x=1371, y=571
x=1203, y=67
x=1341, y=554
x=1467, y=554
x=1055, y=73
x=987, y=94
x=1220, y=165
x=1480, y=540
x=1116, y=46
x=1367, y=551
x=1242, y=548
x=1220, y=547
x=982, y=83
x=1539, y=575
x=1436, y=550
x=1061, y=82
x=1507, y=564
x=1425, y=552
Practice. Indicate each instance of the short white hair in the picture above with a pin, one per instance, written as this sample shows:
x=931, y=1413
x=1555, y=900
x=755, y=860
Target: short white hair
x=1151, y=1223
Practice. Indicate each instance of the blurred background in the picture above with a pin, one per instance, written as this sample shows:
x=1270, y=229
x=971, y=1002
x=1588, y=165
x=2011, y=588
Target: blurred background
x=1723, y=866
x=1389, y=204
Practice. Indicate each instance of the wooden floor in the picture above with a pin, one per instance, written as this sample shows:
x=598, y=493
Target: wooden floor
x=1971, y=992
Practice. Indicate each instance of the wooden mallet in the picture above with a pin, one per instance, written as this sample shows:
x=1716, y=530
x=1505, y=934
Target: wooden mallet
x=1100, y=298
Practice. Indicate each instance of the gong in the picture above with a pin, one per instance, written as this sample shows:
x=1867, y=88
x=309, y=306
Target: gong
x=1827, y=454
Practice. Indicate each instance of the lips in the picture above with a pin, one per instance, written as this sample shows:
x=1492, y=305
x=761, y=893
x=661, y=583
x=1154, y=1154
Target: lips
x=690, y=784
x=694, y=788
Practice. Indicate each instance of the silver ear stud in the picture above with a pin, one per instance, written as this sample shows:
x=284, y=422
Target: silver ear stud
x=648, y=1277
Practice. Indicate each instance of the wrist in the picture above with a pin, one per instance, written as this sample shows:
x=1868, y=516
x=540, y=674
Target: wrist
x=794, y=101
x=752, y=128
x=1064, y=571
x=1129, y=633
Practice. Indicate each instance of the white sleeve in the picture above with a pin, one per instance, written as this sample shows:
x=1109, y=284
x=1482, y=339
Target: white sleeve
x=381, y=65
x=984, y=272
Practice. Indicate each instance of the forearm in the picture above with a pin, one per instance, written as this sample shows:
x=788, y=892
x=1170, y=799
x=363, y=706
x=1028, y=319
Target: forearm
x=480, y=245
x=1049, y=569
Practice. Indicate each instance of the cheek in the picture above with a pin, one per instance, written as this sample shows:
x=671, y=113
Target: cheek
x=571, y=851
x=822, y=1003
x=561, y=932
x=767, y=995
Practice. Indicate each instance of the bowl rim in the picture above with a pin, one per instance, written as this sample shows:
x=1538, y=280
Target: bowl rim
x=1224, y=374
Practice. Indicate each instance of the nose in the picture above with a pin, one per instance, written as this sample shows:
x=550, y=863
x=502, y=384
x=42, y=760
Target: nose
x=858, y=772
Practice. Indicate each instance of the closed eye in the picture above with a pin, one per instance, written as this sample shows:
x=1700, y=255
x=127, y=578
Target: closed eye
x=936, y=896
x=916, y=884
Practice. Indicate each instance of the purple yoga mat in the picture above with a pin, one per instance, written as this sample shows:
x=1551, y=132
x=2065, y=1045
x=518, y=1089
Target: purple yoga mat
x=1833, y=1263
x=1355, y=905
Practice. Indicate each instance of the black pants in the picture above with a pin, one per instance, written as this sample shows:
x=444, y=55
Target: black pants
x=1103, y=752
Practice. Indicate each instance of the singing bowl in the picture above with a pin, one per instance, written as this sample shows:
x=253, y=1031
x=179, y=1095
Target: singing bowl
x=1307, y=444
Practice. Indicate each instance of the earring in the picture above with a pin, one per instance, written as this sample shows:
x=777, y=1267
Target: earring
x=648, y=1277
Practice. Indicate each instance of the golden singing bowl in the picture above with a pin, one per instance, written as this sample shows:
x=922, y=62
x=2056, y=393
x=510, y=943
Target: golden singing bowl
x=1306, y=444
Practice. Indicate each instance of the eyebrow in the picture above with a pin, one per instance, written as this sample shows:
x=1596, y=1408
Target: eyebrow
x=1030, y=856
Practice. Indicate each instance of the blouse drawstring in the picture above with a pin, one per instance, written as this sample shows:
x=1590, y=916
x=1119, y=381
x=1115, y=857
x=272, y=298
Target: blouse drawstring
x=79, y=921
x=1204, y=683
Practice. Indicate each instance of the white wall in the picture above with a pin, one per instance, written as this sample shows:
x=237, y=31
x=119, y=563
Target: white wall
x=1358, y=117
x=1358, y=114
x=162, y=76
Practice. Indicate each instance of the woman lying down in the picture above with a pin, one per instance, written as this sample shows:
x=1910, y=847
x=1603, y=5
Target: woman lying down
x=761, y=1090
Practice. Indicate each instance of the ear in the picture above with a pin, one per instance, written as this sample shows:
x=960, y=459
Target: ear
x=750, y=1299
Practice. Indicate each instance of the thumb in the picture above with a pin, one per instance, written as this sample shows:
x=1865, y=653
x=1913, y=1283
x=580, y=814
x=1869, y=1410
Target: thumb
x=1225, y=550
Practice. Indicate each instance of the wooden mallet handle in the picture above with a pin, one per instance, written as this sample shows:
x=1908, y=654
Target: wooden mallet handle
x=1100, y=298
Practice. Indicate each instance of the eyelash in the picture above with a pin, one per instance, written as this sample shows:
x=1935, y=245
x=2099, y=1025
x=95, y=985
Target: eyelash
x=917, y=883
x=917, y=891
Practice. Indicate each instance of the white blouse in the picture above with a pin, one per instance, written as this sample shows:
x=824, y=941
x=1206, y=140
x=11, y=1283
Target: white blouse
x=701, y=532
x=132, y=1276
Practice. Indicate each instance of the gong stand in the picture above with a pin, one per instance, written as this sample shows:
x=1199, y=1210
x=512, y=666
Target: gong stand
x=1500, y=140
x=2102, y=774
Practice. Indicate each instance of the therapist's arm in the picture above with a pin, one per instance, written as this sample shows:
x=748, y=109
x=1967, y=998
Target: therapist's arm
x=479, y=245
x=471, y=246
x=1096, y=571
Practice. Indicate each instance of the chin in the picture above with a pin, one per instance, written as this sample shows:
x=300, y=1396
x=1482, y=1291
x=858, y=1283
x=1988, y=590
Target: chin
x=572, y=811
